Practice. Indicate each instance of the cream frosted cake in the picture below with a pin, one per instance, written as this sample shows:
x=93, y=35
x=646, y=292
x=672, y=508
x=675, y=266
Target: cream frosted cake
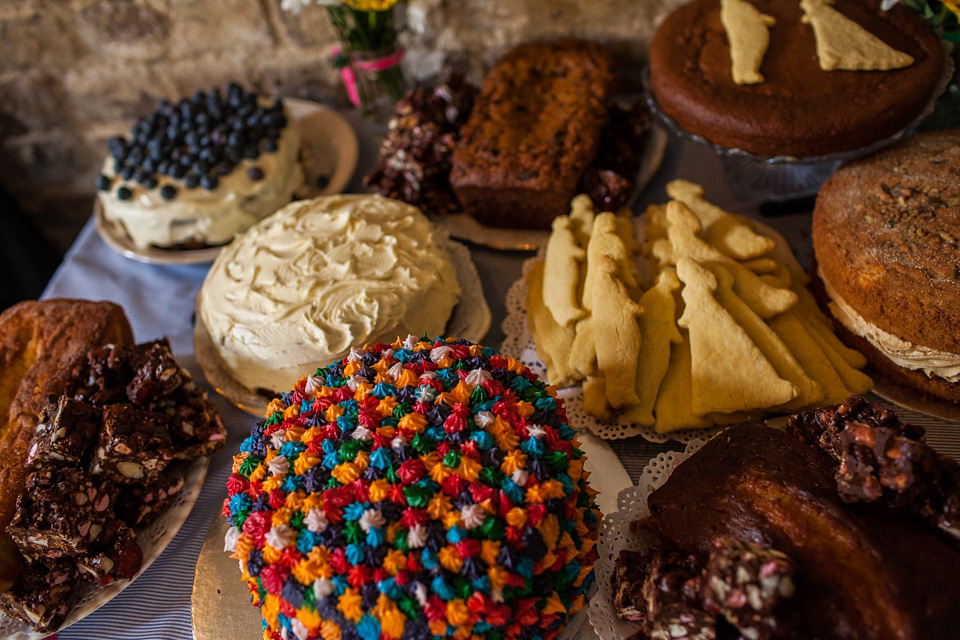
x=297, y=290
x=198, y=171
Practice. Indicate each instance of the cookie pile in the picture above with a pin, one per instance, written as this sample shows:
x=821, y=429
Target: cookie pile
x=726, y=332
x=413, y=490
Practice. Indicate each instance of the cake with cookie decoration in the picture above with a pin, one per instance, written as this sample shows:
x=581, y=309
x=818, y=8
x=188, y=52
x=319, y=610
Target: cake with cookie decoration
x=425, y=488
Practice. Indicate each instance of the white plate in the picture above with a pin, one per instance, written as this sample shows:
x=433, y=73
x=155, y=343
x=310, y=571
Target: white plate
x=470, y=320
x=464, y=227
x=329, y=148
x=153, y=540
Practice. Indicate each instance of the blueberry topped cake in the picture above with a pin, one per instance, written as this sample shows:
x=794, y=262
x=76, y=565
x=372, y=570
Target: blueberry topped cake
x=197, y=171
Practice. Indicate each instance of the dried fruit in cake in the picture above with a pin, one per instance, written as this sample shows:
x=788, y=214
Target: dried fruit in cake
x=424, y=488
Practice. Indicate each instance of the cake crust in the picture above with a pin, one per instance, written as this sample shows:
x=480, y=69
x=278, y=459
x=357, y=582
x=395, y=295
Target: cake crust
x=799, y=109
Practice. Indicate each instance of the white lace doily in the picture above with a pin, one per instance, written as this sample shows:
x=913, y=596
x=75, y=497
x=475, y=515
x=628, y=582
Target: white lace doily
x=153, y=540
x=519, y=344
x=615, y=536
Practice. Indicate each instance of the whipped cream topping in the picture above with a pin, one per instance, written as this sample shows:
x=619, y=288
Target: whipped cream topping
x=297, y=290
x=901, y=352
x=210, y=216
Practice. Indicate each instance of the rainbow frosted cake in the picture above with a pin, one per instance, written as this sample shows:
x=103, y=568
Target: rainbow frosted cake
x=414, y=490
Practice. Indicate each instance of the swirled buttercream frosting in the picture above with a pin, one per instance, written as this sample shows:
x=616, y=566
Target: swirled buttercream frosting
x=297, y=290
x=431, y=489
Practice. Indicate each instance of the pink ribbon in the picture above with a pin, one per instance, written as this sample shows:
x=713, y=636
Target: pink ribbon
x=349, y=76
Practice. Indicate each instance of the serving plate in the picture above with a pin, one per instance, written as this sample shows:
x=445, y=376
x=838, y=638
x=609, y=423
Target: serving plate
x=464, y=227
x=329, y=153
x=470, y=320
x=153, y=540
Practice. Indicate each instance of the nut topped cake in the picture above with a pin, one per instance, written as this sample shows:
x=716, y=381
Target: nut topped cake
x=886, y=230
x=797, y=107
x=419, y=489
x=299, y=288
x=198, y=171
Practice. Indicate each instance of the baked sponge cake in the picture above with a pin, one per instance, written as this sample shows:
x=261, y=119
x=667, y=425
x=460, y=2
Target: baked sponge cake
x=294, y=292
x=196, y=172
x=798, y=109
x=886, y=230
x=419, y=489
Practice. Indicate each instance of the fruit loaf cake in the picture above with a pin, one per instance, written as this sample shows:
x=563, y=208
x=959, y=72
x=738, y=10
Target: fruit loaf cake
x=533, y=131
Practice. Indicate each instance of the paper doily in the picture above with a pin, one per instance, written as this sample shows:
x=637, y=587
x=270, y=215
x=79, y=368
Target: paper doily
x=615, y=536
x=518, y=343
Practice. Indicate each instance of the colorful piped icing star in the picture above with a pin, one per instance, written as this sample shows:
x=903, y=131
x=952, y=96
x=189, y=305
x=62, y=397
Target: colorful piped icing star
x=414, y=490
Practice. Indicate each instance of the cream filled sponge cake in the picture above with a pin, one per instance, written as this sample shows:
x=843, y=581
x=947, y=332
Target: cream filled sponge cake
x=297, y=290
x=198, y=171
x=414, y=490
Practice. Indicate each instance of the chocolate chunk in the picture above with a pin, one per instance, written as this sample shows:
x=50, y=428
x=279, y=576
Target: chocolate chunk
x=745, y=584
x=61, y=512
x=882, y=460
x=134, y=445
x=39, y=596
x=629, y=572
x=124, y=193
x=64, y=436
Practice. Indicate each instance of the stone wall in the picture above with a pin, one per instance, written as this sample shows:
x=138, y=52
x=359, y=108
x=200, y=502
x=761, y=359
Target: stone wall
x=75, y=72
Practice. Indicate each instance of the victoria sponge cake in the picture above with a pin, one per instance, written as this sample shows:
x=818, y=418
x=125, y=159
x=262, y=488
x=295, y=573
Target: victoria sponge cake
x=886, y=230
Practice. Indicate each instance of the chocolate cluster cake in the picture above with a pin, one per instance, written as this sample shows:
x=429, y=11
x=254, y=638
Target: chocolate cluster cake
x=106, y=459
x=842, y=526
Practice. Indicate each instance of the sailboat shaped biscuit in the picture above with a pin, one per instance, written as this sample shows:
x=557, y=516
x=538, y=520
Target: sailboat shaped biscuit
x=844, y=44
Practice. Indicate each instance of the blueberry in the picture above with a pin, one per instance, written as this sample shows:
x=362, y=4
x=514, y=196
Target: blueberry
x=123, y=193
x=204, y=140
x=234, y=89
x=200, y=167
x=251, y=151
x=191, y=138
x=255, y=173
x=235, y=139
x=127, y=172
x=164, y=167
x=117, y=165
x=150, y=164
x=270, y=144
x=168, y=192
x=237, y=124
x=178, y=171
x=209, y=181
x=150, y=182
x=185, y=125
x=191, y=180
x=225, y=167
x=186, y=160
x=104, y=183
